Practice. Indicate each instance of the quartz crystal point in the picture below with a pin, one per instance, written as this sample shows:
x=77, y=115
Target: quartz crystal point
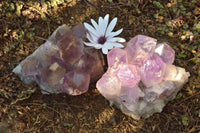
x=128, y=75
x=76, y=82
x=63, y=64
x=166, y=52
x=141, y=79
x=139, y=48
x=152, y=70
x=117, y=57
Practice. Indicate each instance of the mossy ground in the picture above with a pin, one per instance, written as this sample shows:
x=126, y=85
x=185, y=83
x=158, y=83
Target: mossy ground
x=25, y=25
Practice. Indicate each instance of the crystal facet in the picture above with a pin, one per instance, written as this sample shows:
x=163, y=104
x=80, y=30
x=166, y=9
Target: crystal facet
x=76, y=82
x=152, y=70
x=128, y=75
x=139, y=48
x=166, y=52
x=117, y=57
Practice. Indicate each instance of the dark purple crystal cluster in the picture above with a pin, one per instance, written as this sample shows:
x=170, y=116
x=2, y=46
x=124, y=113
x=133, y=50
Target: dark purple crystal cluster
x=141, y=79
x=63, y=63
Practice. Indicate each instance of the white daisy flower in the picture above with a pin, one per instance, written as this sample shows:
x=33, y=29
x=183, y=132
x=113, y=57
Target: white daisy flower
x=101, y=35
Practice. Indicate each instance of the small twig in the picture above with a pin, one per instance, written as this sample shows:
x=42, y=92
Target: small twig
x=40, y=104
x=41, y=38
x=49, y=28
x=21, y=99
x=187, y=98
x=194, y=129
x=89, y=3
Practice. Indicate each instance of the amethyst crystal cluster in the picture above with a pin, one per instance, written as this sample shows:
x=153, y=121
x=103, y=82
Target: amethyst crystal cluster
x=63, y=63
x=141, y=79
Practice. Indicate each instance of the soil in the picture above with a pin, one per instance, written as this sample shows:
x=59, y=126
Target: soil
x=22, y=30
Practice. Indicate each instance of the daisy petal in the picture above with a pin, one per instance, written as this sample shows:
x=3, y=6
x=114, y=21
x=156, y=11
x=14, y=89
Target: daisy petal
x=91, y=29
x=101, y=21
x=89, y=44
x=115, y=44
x=104, y=50
x=104, y=24
x=97, y=46
x=111, y=26
x=117, y=39
x=118, y=45
x=112, y=34
x=108, y=45
x=95, y=25
x=91, y=38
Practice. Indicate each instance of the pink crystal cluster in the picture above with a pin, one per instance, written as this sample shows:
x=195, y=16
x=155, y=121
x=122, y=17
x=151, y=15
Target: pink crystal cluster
x=141, y=79
x=63, y=63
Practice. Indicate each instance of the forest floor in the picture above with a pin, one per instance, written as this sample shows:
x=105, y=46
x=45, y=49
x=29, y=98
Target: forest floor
x=26, y=24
